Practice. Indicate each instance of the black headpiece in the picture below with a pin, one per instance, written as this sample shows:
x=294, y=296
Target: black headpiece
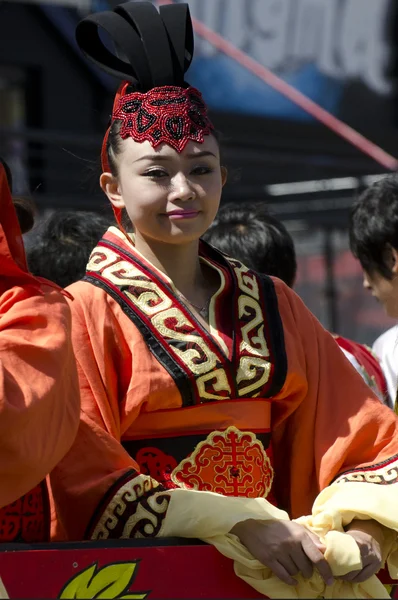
x=153, y=48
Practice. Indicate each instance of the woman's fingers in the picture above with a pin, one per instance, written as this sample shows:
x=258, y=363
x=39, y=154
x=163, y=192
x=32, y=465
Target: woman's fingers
x=317, y=541
x=371, y=565
x=362, y=575
x=285, y=547
x=280, y=571
x=366, y=573
x=289, y=564
x=318, y=560
x=370, y=556
x=350, y=576
x=303, y=563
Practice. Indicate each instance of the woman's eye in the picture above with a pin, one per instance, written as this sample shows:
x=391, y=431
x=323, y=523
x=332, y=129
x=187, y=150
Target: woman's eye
x=202, y=170
x=156, y=173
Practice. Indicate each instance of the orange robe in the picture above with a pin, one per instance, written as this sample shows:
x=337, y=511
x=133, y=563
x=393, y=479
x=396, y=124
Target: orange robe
x=266, y=406
x=39, y=393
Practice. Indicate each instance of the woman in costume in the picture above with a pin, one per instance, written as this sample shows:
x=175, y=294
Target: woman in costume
x=39, y=392
x=214, y=404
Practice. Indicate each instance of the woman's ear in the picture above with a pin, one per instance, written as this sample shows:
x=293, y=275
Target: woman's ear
x=394, y=260
x=110, y=186
x=224, y=175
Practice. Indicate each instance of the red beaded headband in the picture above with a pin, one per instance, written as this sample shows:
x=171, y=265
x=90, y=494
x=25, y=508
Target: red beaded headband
x=169, y=114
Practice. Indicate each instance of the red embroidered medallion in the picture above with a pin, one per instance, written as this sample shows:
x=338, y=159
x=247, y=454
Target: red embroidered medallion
x=157, y=464
x=27, y=519
x=230, y=462
x=167, y=114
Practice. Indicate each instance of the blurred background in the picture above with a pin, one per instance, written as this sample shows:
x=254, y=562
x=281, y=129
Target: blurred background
x=55, y=106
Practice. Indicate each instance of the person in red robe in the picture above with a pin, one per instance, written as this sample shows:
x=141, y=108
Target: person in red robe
x=39, y=392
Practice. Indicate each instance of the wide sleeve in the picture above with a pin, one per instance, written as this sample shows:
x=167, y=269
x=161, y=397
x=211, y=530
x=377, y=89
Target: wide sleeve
x=98, y=490
x=39, y=394
x=335, y=444
x=326, y=420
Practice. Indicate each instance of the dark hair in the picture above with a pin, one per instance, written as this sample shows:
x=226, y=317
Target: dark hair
x=260, y=241
x=373, y=228
x=113, y=146
x=63, y=245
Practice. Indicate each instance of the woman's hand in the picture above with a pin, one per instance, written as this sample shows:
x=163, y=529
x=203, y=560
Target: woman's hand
x=369, y=536
x=285, y=547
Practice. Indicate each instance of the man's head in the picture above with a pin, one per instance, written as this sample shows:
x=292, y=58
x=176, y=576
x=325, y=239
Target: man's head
x=374, y=240
x=63, y=245
x=256, y=238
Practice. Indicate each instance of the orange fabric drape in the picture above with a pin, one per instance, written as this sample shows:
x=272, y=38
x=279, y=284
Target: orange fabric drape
x=39, y=393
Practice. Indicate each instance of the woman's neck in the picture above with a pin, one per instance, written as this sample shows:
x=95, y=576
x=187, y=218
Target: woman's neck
x=180, y=262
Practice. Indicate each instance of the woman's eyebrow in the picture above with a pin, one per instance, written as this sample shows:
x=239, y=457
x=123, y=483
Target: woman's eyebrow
x=201, y=154
x=160, y=157
x=153, y=157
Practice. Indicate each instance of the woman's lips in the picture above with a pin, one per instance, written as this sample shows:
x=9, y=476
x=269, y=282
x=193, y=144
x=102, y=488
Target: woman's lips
x=182, y=214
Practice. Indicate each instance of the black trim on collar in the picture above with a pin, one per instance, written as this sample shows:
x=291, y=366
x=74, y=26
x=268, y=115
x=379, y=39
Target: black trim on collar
x=276, y=338
x=172, y=367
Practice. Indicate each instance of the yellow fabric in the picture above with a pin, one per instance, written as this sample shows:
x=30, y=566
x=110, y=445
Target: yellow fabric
x=195, y=514
x=339, y=504
x=335, y=507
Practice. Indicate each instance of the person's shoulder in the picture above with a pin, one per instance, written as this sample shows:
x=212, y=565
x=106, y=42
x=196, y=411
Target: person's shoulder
x=84, y=295
x=83, y=289
x=291, y=309
x=40, y=305
x=31, y=291
x=284, y=293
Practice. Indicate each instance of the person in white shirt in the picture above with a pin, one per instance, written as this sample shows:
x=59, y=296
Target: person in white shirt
x=386, y=350
x=374, y=242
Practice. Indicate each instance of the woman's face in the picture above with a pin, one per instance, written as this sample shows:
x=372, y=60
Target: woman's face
x=170, y=197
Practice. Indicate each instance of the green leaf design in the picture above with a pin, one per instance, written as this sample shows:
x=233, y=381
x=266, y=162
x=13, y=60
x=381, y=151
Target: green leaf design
x=109, y=582
x=79, y=583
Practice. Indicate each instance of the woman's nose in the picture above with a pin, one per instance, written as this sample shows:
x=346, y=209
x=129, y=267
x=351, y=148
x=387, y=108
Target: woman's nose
x=182, y=189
